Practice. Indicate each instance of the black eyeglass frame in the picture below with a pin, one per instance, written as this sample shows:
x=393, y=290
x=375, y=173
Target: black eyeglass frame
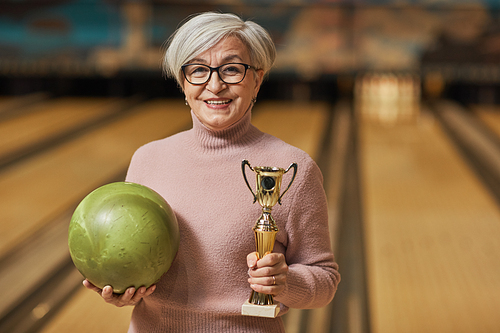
x=216, y=69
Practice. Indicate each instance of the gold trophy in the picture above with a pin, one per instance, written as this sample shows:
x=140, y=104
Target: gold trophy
x=265, y=229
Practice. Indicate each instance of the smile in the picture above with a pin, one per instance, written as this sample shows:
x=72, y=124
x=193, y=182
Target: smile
x=218, y=102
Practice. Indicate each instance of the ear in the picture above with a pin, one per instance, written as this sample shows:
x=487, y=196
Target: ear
x=258, y=76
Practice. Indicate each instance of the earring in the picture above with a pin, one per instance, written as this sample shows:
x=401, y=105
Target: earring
x=186, y=101
x=254, y=100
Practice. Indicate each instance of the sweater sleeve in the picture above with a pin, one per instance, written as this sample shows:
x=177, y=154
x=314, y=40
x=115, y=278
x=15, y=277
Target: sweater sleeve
x=313, y=274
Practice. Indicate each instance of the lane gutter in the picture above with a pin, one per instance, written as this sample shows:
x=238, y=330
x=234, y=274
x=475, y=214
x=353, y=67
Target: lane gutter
x=479, y=146
x=350, y=310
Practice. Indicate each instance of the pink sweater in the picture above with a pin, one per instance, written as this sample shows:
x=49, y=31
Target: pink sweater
x=198, y=172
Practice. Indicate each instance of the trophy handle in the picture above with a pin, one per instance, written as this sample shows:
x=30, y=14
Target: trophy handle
x=243, y=163
x=294, y=166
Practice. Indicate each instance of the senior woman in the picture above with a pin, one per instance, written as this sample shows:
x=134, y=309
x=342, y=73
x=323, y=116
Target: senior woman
x=219, y=61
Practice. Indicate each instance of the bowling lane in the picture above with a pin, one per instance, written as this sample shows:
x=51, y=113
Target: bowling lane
x=51, y=119
x=431, y=233
x=35, y=191
x=490, y=115
x=300, y=124
x=11, y=105
x=86, y=312
x=38, y=191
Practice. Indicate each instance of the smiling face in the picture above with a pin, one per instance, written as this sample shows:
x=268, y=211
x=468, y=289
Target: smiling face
x=218, y=105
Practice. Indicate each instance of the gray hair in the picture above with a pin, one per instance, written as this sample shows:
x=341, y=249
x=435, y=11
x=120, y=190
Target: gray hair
x=203, y=31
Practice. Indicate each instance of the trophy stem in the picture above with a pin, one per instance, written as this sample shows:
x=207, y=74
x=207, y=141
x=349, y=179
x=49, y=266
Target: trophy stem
x=265, y=231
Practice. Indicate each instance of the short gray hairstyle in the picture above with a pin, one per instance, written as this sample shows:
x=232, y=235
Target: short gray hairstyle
x=203, y=31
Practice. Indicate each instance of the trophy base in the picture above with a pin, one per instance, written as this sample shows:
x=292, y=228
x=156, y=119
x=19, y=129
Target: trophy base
x=268, y=311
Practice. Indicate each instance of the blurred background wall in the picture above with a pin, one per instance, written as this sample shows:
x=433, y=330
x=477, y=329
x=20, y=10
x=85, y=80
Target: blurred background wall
x=112, y=47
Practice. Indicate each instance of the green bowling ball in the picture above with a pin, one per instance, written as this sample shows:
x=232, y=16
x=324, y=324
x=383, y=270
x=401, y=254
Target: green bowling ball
x=123, y=235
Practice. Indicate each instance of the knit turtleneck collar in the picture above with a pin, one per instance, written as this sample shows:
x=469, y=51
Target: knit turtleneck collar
x=239, y=134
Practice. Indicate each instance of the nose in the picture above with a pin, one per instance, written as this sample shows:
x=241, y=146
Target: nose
x=215, y=84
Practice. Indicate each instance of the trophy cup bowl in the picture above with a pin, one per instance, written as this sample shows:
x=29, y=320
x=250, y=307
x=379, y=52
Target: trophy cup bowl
x=268, y=188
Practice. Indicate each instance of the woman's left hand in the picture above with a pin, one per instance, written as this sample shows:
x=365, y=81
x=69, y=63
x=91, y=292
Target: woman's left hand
x=267, y=275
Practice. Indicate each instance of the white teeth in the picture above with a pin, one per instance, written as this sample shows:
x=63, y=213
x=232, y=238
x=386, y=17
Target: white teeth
x=218, y=102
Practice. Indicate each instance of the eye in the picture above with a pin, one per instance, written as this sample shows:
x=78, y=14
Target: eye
x=233, y=69
x=197, y=70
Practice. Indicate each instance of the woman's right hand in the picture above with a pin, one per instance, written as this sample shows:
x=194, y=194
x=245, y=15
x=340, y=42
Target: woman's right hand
x=129, y=297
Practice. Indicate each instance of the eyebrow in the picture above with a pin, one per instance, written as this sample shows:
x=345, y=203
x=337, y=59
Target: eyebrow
x=226, y=59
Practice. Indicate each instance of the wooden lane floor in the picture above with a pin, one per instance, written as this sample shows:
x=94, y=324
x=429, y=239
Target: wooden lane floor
x=476, y=140
x=36, y=192
x=10, y=105
x=490, y=115
x=38, y=189
x=47, y=122
x=431, y=233
x=302, y=125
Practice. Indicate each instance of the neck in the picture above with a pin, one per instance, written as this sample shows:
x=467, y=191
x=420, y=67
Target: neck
x=240, y=133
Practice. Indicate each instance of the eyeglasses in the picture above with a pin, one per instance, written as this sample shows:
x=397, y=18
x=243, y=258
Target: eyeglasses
x=229, y=73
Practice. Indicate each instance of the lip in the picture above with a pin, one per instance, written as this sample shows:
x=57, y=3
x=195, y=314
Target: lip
x=218, y=102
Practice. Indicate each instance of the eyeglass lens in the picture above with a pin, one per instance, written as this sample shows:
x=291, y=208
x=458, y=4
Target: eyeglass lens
x=229, y=73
